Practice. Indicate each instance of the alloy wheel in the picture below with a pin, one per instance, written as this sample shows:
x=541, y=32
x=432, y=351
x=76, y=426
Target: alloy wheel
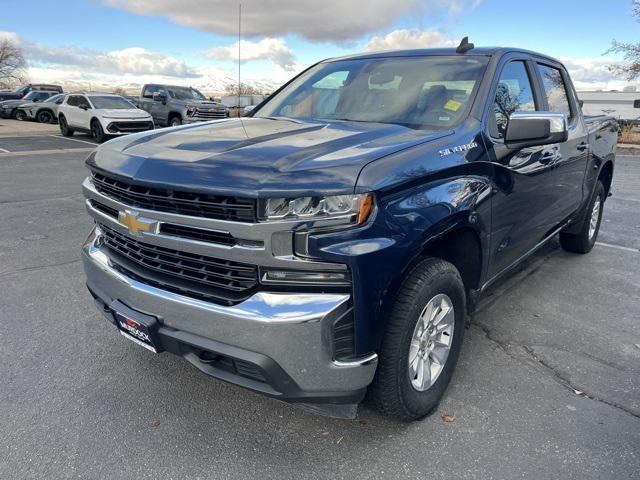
x=431, y=342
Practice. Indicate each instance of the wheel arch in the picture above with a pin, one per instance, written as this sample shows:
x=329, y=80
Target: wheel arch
x=606, y=177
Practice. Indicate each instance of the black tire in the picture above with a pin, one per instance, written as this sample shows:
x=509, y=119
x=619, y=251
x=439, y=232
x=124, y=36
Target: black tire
x=391, y=391
x=585, y=239
x=64, y=127
x=97, y=132
x=14, y=114
x=44, y=116
x=175, y=121
x=19, y=115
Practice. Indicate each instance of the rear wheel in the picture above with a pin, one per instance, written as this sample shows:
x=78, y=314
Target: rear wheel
x=97, y=132
x=422, y=342
x=585, y=239
x=64, y=127
x=45, y=116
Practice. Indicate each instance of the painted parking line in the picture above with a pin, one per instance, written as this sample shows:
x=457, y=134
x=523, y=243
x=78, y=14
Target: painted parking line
x=74, y=140
x=44, y=152
x=618, y=247
x=4, y=151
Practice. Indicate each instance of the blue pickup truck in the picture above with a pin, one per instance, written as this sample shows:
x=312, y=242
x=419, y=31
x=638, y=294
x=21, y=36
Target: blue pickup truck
x=330, y=247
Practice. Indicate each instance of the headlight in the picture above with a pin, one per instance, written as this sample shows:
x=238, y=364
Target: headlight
x=354, y=208
x=191, y=110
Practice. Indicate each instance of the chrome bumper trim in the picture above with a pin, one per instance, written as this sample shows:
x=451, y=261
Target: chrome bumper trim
x=293, y=329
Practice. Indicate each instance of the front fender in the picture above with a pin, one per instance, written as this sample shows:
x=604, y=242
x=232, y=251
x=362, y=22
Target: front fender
x=405, y=223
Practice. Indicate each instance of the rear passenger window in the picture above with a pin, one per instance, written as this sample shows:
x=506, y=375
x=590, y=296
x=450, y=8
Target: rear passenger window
x=513, y=94
x=555, y=89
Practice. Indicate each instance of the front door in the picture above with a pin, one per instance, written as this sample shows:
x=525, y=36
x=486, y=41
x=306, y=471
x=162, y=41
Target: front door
x=524, y=178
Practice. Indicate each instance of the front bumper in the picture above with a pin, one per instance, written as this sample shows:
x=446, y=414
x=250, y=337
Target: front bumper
x=287, y=337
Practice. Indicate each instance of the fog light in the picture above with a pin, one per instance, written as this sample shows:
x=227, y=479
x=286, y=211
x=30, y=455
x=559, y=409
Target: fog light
x=291, y=277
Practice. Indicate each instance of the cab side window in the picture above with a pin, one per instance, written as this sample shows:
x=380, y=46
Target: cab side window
x=513, y=94
x=555, y=90
x=150, y=90
x=72, y=101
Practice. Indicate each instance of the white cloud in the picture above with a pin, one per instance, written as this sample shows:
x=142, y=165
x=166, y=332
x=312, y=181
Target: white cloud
x=592, y=73
x=412, y=38
x=274, y=49
x=133, y=60
x=329, y=20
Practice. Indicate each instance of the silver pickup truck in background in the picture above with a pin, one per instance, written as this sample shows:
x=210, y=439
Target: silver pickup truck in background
x=173, y=105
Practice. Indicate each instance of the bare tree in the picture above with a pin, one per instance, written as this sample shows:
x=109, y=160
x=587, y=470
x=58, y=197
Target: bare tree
x=120, y=91
x=630, y=69
x=245, y=89
x=12, y=63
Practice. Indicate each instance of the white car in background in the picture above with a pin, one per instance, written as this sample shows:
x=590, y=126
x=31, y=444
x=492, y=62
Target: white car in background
x=101, y=115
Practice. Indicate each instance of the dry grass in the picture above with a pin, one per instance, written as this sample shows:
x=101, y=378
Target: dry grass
x=629, y=135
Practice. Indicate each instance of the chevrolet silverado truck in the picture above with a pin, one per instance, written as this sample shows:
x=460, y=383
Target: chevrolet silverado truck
x=330, y=247
x=173, y=105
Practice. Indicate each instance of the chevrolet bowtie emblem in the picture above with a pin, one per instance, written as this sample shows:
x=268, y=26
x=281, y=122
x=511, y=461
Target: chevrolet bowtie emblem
x=135, y=223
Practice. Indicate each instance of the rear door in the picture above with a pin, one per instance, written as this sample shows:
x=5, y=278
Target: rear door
x=524, y=178
x=571, y=156
x=71, y=109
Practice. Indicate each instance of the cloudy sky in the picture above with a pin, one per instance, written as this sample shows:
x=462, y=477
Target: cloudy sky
x=194, y=42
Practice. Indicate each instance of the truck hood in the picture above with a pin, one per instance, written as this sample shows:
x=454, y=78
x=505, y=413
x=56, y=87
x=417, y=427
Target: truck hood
x=256, y=157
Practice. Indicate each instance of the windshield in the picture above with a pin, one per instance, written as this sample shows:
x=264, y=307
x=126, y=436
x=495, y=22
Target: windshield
x=110, y=102
x=185, y=93
x=55, y=98
x=417, y=92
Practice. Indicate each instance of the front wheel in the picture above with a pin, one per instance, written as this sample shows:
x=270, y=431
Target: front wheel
x=19, y=115
x=422, y=342
x=175, y=121
x=97, y=132
x=585, y=239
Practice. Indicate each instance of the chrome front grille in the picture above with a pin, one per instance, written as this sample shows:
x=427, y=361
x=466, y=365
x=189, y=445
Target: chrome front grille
x=210, y=113
x=219, y=207
x=199, y=276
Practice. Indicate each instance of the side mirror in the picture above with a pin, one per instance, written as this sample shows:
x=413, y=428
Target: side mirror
x=84, y=107
x=160, y=97
x=636, y=104
x=36, y=100
x=248, y=109
x=529, y=129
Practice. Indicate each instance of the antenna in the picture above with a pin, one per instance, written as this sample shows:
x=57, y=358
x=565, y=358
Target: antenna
x=239, y=39
x=464, y=46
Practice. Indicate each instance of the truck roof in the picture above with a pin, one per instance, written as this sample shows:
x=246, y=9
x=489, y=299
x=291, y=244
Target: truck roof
x=420, y=52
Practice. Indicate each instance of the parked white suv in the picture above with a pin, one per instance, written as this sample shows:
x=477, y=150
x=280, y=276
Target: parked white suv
x=101, y=115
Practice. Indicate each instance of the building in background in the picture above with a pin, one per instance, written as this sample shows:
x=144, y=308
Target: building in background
x=617, y=104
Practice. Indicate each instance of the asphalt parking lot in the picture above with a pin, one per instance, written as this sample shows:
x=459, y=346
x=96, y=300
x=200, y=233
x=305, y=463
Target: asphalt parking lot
x=548, y=384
